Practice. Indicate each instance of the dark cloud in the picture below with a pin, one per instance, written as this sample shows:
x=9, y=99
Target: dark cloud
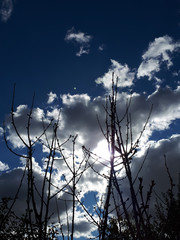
x=154, y=167
x=12, y=182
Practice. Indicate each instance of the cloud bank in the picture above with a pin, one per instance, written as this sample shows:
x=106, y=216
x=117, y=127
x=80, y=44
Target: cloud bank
x=78, y=116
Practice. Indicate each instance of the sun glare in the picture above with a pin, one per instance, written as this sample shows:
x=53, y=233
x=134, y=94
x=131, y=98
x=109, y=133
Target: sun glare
x=102, y=150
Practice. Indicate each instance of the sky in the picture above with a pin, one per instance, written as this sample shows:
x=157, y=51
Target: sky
x=65, y=52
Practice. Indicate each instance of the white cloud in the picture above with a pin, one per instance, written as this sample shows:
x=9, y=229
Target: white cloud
x=159, y=51
x=79, y=38
x=78, y=115
x=166, y=109
x=1, y=131
x=6, y=10
x=124, y=74
x=148, y=67
x=54, y=113
x=101, y=47
x=82, y=50
x=51, y=97
x=21, y=116
x=69, y=99
x=3, y=166
x=161, y=46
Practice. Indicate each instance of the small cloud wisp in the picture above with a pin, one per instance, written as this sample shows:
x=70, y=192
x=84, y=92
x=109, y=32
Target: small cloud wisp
x=6, y=10
x=79, y=38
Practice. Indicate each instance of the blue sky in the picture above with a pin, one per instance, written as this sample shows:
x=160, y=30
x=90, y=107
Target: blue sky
x=66, y=52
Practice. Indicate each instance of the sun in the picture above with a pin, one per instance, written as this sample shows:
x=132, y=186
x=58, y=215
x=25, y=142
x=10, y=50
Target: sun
x=102, y=150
